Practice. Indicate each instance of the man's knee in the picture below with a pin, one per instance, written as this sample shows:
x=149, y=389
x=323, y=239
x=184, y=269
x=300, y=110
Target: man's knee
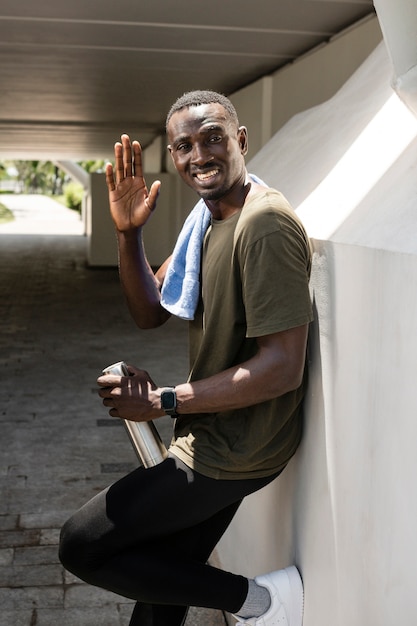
x=73, y=549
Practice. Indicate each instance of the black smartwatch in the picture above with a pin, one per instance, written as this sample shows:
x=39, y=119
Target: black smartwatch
x=169, y=401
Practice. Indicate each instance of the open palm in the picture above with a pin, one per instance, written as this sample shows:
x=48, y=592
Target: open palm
x=131, y=203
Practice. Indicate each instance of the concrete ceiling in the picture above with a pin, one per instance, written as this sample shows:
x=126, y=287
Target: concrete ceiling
x=74, y=74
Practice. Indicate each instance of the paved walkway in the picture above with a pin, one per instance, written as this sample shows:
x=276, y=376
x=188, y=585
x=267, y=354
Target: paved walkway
x=37, y=214
x=60, y=323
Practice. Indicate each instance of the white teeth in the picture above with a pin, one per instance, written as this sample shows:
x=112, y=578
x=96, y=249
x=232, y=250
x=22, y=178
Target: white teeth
x=205, y=175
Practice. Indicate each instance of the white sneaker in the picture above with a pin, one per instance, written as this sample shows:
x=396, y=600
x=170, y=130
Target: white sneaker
x=287, y=599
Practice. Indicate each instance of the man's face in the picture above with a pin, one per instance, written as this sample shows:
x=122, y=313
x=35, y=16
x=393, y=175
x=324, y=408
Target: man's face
x=207, y=149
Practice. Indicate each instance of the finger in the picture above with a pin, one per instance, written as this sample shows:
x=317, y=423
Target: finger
x=137, y=158
x=127, y=155
x=118, y=162
x=104, y=392
x=109, y=380
x=109, y=177
x=110, y=398
x=112, y=412
x=153, y=194
x=109, y=392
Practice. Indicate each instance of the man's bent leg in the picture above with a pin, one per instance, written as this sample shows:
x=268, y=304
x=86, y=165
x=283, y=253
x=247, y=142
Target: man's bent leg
x=116, y=540
x=198, y=543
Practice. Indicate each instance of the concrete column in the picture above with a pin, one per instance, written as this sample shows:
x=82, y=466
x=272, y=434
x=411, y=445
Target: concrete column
x=101, y=246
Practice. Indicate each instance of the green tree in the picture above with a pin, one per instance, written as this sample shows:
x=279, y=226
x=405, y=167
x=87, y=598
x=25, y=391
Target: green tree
x=39, y=177
x=93, y=166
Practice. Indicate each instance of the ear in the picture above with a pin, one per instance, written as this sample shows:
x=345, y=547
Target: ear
x=242, y=137
x=169, y=148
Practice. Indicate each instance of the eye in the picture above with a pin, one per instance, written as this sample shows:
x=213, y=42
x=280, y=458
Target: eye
x=183, y=147
x=215, y=138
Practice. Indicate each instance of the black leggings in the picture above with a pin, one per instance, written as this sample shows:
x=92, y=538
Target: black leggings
x=148, y=537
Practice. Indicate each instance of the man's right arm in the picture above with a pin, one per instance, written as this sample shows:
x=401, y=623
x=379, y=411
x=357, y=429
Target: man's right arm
x=142, y=287
x=131, y=205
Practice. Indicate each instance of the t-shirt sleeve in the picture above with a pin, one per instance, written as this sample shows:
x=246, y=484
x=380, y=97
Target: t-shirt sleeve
x=275, y=269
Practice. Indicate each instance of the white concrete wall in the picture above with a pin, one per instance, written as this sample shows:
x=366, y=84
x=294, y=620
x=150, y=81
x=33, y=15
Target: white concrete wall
x=399, y=25
x=345, y=508
x=266, y=105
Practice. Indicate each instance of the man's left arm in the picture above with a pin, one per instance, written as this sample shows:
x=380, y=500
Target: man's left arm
x=274, y=370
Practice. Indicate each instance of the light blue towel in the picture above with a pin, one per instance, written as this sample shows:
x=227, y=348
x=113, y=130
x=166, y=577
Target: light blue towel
x=181, y=288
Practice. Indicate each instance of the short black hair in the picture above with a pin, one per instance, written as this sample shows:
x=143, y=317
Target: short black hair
x=195, y=98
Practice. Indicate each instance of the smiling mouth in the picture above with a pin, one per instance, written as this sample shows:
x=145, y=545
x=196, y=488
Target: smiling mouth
x=204, y=176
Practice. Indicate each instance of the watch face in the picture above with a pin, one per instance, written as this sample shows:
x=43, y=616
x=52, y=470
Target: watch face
x=168, y=400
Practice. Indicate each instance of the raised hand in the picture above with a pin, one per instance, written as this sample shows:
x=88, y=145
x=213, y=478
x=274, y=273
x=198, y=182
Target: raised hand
x=131, y=203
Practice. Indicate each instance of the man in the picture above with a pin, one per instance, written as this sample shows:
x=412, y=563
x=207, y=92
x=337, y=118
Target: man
x=148, y=536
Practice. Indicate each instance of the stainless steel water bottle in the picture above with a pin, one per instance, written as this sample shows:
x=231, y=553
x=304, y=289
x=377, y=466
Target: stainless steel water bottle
x=144, y=436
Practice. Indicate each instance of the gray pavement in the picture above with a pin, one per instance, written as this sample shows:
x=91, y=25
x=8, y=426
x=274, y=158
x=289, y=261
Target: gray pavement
x=60, y=323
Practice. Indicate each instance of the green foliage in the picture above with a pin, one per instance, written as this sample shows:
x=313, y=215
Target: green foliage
x=5, y=214
x=38, y=176
x=47, y=178
x=74, y=193
x=98, y=165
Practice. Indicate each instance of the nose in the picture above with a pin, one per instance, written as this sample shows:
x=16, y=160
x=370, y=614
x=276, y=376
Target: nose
x=200, y=154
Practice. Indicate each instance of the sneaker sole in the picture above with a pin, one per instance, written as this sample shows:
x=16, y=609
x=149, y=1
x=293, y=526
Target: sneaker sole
x=297, y=592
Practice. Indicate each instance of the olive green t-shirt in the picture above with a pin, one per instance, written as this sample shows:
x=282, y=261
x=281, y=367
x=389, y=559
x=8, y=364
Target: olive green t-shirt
x=255, y=282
